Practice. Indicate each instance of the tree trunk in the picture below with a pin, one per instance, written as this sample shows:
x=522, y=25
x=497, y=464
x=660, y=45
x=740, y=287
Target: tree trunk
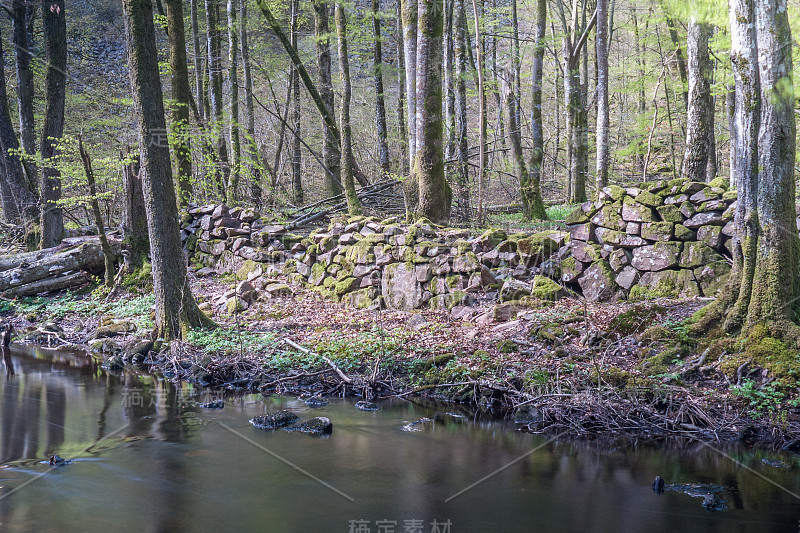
x=198, y=59
x=233, y=95
x=401, y=88
x=409, y=21
x=253, y=163
x=297, y=181
x=330, y=146
x=134, y=218
x=531, y=195
x=108, y=254
x=532, y=205
x=462, y=175
x=679, y=57
x=353, y=206
x=427, y=192
x=481, y=113
x=55, y=36
x=215, y=119
x=17, y=198
x=182, y=94
x=380, y=106
x=22, y=11
x=603, y=121
x=449, y=87
x=176, y=309
x=695, y=158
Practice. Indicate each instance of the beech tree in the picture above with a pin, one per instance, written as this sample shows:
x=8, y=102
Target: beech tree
x=55, y=37
x=700, y=111
x=353, y=206
x=764, y=284
x=176, y=309
x=427, y=192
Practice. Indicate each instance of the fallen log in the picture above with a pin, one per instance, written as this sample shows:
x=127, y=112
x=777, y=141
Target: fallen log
x=56, y=283
x=53, y=269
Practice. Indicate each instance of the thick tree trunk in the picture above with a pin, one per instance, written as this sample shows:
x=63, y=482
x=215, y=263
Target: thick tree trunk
x=462, y=175
x=532, y=205
x=176, y=309
x=776, y=281
x=253, y=163
x=427, y=192
x=17, y=199
x=330, y=146
x=22, y=11
x=603, y=120
x=695, y=158
x=55, y=36
x=531, y=195
x=481, y=112
x=409, y=21
x=182, y=95
x=380, y=105
x=297, y=161
x=233, y=97
x=353, y=206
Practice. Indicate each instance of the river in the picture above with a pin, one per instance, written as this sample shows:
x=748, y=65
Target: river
x=145, y=457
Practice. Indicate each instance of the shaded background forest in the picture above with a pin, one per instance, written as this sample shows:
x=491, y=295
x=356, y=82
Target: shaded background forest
x=647, y=106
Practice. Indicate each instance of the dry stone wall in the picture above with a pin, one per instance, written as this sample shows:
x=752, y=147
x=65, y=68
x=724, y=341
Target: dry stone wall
x=659, y=239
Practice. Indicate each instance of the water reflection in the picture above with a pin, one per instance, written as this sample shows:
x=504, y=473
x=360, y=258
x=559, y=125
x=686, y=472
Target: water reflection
x=147, y=459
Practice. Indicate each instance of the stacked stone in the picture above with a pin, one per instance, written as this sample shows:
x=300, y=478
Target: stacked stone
x=369, y=263
x=223, y=238
x=664, y=238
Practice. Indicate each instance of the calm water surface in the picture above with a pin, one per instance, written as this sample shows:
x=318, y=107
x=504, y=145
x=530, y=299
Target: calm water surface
x=146, y=458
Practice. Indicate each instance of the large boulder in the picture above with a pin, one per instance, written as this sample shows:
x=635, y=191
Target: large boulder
x=400, y=287
x=658, y=256
x=597, y=283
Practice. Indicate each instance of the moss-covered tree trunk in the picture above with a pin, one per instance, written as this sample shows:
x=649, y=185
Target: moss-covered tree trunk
x=233, y=99
x=427, y=192
x=297, y=154
x=462, y=174
x=176, y=309
x=380, y=104
x=764, y=284
x=330, y=147
x=695, y=157
x=182, y=95
x=22, y=13
x=532, y=204
x=353, y=206
x=409, y=21
x=55, y=37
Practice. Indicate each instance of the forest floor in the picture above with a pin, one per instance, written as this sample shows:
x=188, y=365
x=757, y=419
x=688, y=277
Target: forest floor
x=568, y=367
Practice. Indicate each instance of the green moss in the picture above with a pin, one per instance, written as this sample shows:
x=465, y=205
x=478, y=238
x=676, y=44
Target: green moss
x=329, y=282
x=347, y=285
x=493, y=237
x=649, y=199
x=665, y=288
x=507, y=346
x=247, y=268
x=545, y=288
x=140, y=279
x=670, y=213
x=635, y=320
x=721, y=182
x=577, y=217
x=764, y=351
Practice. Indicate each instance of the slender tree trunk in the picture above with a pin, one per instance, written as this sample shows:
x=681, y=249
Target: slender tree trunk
x=380, y=106
x=401, y=88
x=449, y=87
x=695, y=158
x=641, y=102
x=409, y=22
x=297, y=158
x=176, y=310
x=108, y=254
x=22, y=11
x=233, y=90
x=330, y=147
x=462, y=176
x=215, y=119
x=134, y=222
x=353, y=206
x=182, y=95
x=532, y=205
x=253, y=163
x=531, y=194
x=481, y=113
x=198, y=59
x=603, y=120
x=55, y=35
x=679, y=57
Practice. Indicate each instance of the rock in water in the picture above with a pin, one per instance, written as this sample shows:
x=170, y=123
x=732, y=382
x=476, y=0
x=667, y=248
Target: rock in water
x=658, y=485
x=217, y=404
x=367, y=406
x=316, y=426
x=275, y=420
x=55, y=460
x=315, y=401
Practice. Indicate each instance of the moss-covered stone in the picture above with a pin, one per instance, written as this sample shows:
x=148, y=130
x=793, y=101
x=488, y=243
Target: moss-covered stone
x=507, y=346
x=720, y=181
x=545, y=288
x=670, y=213
x=247, y=268
x=348, y=284
x=658, y=231
x=682, y=233
x=615, y=192
x=649, y=199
